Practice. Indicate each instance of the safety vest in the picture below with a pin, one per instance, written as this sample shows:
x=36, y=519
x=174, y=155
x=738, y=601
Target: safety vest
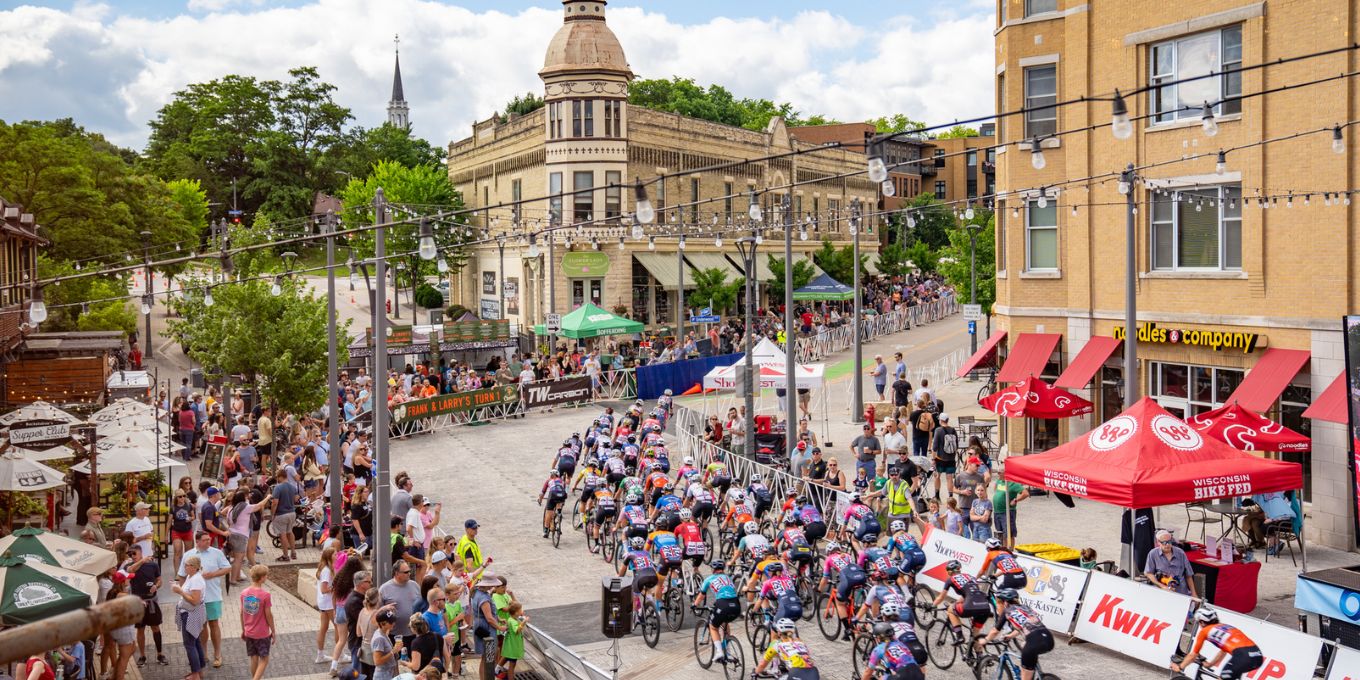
x=899, y=498
x=469, y=548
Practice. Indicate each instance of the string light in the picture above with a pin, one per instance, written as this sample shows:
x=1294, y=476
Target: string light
x=754, y=209
x=1222, y=163
x=208, y=297
x=651, y=243
x=1120, y=125
x=1207, y=121
x=37, y=309
x=1338, y=142
x=646, y=214
x=878, y=170
x=1036, y=155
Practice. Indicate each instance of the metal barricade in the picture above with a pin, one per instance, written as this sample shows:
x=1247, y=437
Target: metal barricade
x=556, y=659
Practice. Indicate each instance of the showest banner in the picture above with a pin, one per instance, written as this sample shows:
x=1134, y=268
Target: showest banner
x=1289, y=654
x=1133, y=619
x=554, y=392
x=1345, y=664
x=1054, y=591
x=940, y=547
x=446, y=404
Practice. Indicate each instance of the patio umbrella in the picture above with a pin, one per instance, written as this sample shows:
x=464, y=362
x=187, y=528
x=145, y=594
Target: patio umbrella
x=44, y=547
x=18, y=473
x=38, y=410
x=33, y=592
x=61, y=452
x=145, y=440
x=1245, y=429
x=130, y=422
x=1034, y=398
x=121, y=459
x=120, y=408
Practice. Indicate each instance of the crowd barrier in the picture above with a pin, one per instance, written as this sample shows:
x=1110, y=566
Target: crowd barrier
x=654, y=379
x=557, y=660
x=1125, y=616
x=830, y=341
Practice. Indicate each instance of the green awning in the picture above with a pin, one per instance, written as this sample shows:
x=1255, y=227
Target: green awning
x=589, y=321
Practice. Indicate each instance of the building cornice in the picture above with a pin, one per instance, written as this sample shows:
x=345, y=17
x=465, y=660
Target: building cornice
x=1290, y=323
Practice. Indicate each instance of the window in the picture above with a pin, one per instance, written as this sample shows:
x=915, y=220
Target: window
x=816, y=208
x=1001, y=106
x=555, y=200
x=1041, y=93
x=553, y=129
x=609, y=128
x=1041, y=236
x=1033, y=7
x=939, y=189
x=1111, y=382
x=588, y=115
x=1191, y=56
x=833, y=206
x=972, y=159
x=576, y=118
x=1197, y=229
x=486, y=195
x=1001, y=218
x=661, y=201
x=613, y=194
x=694, y=200
x=727, y=200
x=1189, y=390
x=516, y=189
x=797, y=206
x=972, y=187
x=583, y=202
x=939, y=158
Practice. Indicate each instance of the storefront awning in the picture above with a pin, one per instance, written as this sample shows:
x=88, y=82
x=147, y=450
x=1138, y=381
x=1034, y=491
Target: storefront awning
x=664, y=268
x=986, y=350
x=1268, y=378
x=1331, y=404
x=1088, y=361
x=763, y=271
x=713, y=261
x=1028, y=356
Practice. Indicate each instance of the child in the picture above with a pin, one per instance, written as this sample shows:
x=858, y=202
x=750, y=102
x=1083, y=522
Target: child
x=257, y=621
x=512, y=647
x=931, y=517
x=953, y=519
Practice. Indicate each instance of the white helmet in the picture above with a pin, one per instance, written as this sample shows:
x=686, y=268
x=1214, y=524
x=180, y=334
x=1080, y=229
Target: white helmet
x=689, y=460
x=751, y=528
x=1206, y=615
x=784, y=626
x=898, y=525
x=993, y=543
x=668, y=392
x=889, y=610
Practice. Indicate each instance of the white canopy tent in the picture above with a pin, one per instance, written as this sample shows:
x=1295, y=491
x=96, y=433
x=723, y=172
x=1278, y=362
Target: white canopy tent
x=38, y=410
x=769, y=362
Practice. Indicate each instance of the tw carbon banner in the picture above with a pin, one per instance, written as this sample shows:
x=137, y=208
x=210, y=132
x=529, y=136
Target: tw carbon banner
x=555, y=392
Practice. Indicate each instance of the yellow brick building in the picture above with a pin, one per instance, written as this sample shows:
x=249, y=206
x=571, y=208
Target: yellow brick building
x=588, y=136
x=1209, y=257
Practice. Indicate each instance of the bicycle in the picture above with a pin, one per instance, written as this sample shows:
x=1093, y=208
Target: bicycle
x=1005, y=665
x=1200, y=671
x=555, y=529
x=826, y=610
x=647, y=620
x=674, y=600
x=863, y=644
x=758, y=628
x=925, y=612
x=734, y=667
x=990, y=383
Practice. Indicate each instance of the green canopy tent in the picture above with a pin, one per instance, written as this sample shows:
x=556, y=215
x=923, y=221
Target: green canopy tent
x=30, y=593
x=589, y=321
x=45, y=547
x=824, y=288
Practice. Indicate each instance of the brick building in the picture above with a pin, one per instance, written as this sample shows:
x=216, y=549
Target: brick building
x=1210, y=259
x=588, y=136
x=964, y=167
x=19, y=243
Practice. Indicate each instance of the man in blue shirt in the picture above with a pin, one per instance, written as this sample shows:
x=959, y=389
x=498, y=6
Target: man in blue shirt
x=1273, y=512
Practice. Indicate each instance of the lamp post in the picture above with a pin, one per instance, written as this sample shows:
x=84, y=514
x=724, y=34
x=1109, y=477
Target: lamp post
x=500, y=246
x=148, y=298
x=973, y=230
x=552, y=287
x=747, y=248
x=858, y=414
x=680, y=293
x=332, y=372
x=382, y=502
x=790, y=368
x=1131, y=384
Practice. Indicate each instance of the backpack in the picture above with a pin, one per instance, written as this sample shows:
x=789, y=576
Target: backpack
x=926, y=422
x=949, y=444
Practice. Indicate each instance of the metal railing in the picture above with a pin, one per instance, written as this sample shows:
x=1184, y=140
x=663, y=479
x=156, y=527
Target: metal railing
x=826, y=343
x=557, y=660
x=618, y=385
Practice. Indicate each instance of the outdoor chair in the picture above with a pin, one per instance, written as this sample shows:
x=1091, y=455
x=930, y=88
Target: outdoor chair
x=1284, y=531
x=1196, y=513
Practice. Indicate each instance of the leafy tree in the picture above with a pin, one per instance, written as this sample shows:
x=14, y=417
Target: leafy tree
x=521, y=105
x=427, y=189
x=715, y=103
x=923, y=257
x=954, y=263
x=932, y=219
x=290, y=167
x=892, y=260
x=802, y=273
x=839, y=263
x=711, y=289
x=84, y=304
x=818, y=119
x=958, y=132
x=428, y=296
x=895, y=123
x=359, y=149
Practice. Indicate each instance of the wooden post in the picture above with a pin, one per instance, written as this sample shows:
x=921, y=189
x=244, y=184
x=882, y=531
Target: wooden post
x=18, y=643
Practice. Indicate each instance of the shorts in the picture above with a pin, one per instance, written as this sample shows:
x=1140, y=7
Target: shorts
x=258, y=647
x=613, y=478
x=125, y=635
x=726, y=610
x=416, y=550
x=804, y=674
x=918, y=650
x=1016, y=581
x=868, y=526
x=851, y=577
x=667, y=521
x=946, y=469
x=1241, y=662
x=341, y=618
x=1004, y=521
x=702, y=512
x=1041, y=642
x=153, y=616
x=603, y=515
x=761, y=508
x=977, y=611
x=182, y=535
x=555, y=501
x=644, y=579
x=790, y=607
x=722, y=483
x=214, y=610
x=636, y=531
x=910, y=672
x=815, y=531
x=237, y=543
x=913, y=562
x=283, y=524
x=800, y=555
x=665, y=568
x=566, y=468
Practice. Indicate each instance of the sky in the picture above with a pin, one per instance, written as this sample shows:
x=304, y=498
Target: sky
x=112, y=65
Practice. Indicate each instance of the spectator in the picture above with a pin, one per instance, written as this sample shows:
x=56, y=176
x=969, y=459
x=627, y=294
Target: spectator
x=325, y=601
x=925, y=393
x=980, y=514
x=238, y=535
x=94, y=523
x=191, y=613
x=952, y=521
x=140, y=528
x=816, y=469
x=512, y=648
x=144, y=580
x=401, y=497
x=901, y=393
x=1004, y=499
x=899, y=368
x=893, y=441
x=212, y=566
x=284, y=497
x=385, y=651
x=879, y=372
x=467, y=550
x=414, y=528
x=834, y=477
x=486, y=620
x=402, y=593
x=257, y=621
x=965, y=485
x=866, y=448
x=353, y=609
x=922, y=424
x=1168, y=568
x=945, y=448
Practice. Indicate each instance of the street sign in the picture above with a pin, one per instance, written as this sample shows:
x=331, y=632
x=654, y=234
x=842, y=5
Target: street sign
x=972, y=328
x=706, y=311
x=706, y=318
x=553, y=323
x=972, y=312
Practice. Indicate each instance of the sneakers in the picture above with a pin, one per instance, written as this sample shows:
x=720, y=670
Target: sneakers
x=545, y=532
x=141, y=661
x=160, y=659
x=321, y=657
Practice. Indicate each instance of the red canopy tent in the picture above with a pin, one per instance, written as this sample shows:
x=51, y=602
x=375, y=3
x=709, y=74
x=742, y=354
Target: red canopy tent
x=1034, y=398
x=1244, y=429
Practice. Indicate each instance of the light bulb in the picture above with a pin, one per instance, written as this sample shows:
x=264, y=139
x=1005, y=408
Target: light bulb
x=1074, y=210
x=1222, y=164
x=1289, y=202
x=620, y=243
x=1036, y=156
x=37, y=310
x=968, y=214
x=1209, y=124
x=637, y=230
x=276, y=289
x=1123, y=188
x=646, y=214
x=717, y=242
x=1338, y=142
x=754, y=210
x=1119, y=118
x=911, y=222
x=389, y=332
x=427, y=249
x=146, y=305
x=442, y=265
x=208, y=298
x=651, y=243
x=760, y=239
x=1307, y=199
x=682, y=243
x=1043, y=201
x=1015, y=213
x=878, y=170
x=533, y=249
x=1346, y=200
x=887, y=188
x=802, y=235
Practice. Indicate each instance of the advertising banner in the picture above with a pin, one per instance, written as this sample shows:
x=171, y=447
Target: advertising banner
x=1054, y=591
x=1289, y=654
x=1324, y=599
x=1345, y=664
x=554, y=392
x=1131, y=618
x=446, y=404
x=39, y=434
x=1352, y=328
x=940, y=547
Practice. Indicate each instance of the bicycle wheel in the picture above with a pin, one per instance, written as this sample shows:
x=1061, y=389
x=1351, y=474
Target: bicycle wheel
x=651, y=624
x=988, y=668
x=828, y=619
x=592, y=542
x=859, y=653
x=735, y=668
x=609, y=549
x=556, y=530
x=754, y=620
x=707, y=538
x=674, y=608
x=923, y=606
x=703, y=646
x=576, y=521
x=941, y=646
x=986, y=391
x=761, y=640
x=808, y=595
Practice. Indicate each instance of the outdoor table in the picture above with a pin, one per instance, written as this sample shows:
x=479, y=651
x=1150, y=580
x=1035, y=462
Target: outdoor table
x=1230, y=512
x=1231, y=586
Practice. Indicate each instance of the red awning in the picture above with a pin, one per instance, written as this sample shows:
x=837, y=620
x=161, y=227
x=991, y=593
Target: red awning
x=985, y=351
x=1267, y=380
x=1088, y=361
x=1028, y=356
x=1331, y=404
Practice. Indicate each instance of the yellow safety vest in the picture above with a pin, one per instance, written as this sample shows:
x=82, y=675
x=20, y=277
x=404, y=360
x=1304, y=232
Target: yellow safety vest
x=469, y=548
x=899, y=498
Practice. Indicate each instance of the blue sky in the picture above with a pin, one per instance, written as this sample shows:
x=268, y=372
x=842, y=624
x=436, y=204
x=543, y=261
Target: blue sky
x=112, y=64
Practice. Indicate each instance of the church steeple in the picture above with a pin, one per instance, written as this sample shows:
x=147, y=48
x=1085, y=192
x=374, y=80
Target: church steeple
x=398, y=114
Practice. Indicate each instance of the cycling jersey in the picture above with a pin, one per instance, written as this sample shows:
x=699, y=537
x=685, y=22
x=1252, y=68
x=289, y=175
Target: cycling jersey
x=699, y=494
x=657, y=480
x=590, y=480
x=665, y=546
x=857, y=512
x=1225, y=637
x=716, y=470
x=639, y=560
x=835, y=562
x=792, y=653
x=604, y=500
x=759, y=492
x=901, y=542
x=1004, y=562
x=668, y=503
x=1022, y=618
x=776, y=587
x=689, y=533
x=793, y=536
x=877, y=558
x=963, y=584
x=883, y=594
x=903, y=630
x=553, y=488
x=635, y=515
x=809, y=514
x=631, y=485
x=614, y=466
x=891, y=655
x=741, y=514
x=720, y=586
x=684, y=471
x=755, y=545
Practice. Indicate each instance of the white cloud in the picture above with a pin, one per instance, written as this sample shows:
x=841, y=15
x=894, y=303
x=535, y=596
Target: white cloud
x=111, y=73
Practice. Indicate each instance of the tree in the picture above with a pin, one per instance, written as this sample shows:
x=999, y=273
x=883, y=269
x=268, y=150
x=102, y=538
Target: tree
x=290, y=167
x=923, y=257
x=892, y=260
x=521, y=105
x=91, y=303
x=954, y=262
x=426, y=189
x=895, y=123
x=932, y=219
x=958, y=132
x=802, y=273
x=839, y=263
x=359, y=149
x=711, y=289
x=714, y=103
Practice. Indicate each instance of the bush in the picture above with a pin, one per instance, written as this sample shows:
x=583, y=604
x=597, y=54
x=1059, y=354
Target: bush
x=429, y=297
x=454, y=311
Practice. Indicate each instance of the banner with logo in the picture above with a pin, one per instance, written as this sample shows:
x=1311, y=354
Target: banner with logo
x=446, y=404
x=1054, y=591
x=1345, y=664
x=554, y=392
x=1131, y=618
x=1289, y=654
x=39, y=434
x=1327, y=600
x=940, y=547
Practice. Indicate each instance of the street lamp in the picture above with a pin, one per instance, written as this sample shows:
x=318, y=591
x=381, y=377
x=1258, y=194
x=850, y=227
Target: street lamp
x=147, y=299
x=790, y=368
x=973, y=230
x=332, y=370
x=747, y=247
x=1132, y=385
x=858, y=331
x=500, y=245
x=382, y=499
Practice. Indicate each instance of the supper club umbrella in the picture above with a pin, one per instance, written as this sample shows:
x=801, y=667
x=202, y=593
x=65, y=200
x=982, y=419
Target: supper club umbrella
x=45, y=547
x=19, y=473
x=60, y=452
x=1034, y=398
x=128, y=459
x=139, y=439
x=129, y=422
x=31, y=592
x=1244, y=429
x=38, y=410
x=120, y=408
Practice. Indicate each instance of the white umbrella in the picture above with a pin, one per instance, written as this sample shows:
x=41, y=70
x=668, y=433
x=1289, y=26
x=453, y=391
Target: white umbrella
x=140, y=439
x=122, y=407
x=38, y=410
x=132, y=422
x=21, y=474
x=128, y=459
x=60, y=452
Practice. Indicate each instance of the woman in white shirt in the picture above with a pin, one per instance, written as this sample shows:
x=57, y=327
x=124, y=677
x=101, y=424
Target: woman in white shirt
x=192, y=615
x=325, y=601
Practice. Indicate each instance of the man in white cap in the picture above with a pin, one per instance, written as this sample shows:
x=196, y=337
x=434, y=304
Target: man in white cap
x=486, y=622
x=141, y=529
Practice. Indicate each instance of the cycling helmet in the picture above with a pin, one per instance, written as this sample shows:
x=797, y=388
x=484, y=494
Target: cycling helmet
x=803, y=500
x=891, y=573
x=638, y=403
x=833, y=546
x=755, y=476
x=636, y=542
x=656, y=467
x=1011, y=595
x=884, y=631
x=668, y=392
x=889, y=610
x=993, y=543
x=898, y=525
x=686, y=515
x=689, y=460
x=870, y=539
x=784, y=626
x=953, y=566
x=566, y=442
x=1206, y=615
x=667, y=486
x=632, y=499
x=751, y=528
x=790, y=518
x=592, y=463
x=613, y=453
x=739, y=496
x=718, y=565
x=632, y=439
x=692, y=475
x=774, y=568
x=856, y=498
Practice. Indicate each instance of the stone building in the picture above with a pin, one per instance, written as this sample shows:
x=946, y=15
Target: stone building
x=964, y=167
x=588, y=138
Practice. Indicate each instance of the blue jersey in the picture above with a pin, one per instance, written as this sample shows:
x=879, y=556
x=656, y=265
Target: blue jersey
x=902, y=542
x=720, y=585
x=809, y=514
x=891, y=656
x=639, y=560
x=661, y=540
x=635, y=515
x=668, y=503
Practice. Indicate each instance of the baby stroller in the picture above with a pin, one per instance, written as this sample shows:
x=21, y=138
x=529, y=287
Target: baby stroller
x=312, y=520
x=770, y=449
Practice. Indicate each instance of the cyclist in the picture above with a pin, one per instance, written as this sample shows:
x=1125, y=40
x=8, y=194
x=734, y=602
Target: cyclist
x=699, y=499
x=1000, y=560
x=666, y=510
x=575, y=443
x=726, y=606
x=860, y=521
x=644, y=569
x=633, y=518
x=556, y=491
x=814, y=527
x=604, y=511
x=739, y=513
x=1243, y=654
x=614, y=469
x=1025, y=621
x=891, y=659
x=973, y=603
x=665, y=549
x=883, y=591
x=755, y=547
x=686, y=467
x=874, y=558
x=630, y=485
x=664, y=402
x=656, y=479
x=663, y=457
x=779, y=591
x=588, y=480
x=913, y=557
x=718, y=477
x=797, y=550
x=630, y=452
x=792, y=653
x=849, y=576
x=565, y=460
x=760, y=494
x=691, y=538
x=904, y=628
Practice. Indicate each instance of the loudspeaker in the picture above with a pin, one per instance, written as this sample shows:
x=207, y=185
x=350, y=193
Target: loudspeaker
x=616, y=606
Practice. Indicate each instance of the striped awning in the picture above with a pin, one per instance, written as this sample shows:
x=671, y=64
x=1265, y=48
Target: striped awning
x=713, y=261
x=664, y=268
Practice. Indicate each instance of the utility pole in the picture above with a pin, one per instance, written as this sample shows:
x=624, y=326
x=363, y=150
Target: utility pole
x=500, y=245
x=747, y=247
x=382, y=501
x=790, y=368
x=333, y=373
x=858, y=414
x=148, y=296
x=552, y=286
x=1131, y=382
x=680, y=293
x=972, y=279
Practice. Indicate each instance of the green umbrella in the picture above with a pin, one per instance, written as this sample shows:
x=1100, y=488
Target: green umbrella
x=45, y=547
x=589, y=321
x=31, y=593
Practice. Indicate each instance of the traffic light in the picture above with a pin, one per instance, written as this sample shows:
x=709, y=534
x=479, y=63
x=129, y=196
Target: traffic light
x=616, y=606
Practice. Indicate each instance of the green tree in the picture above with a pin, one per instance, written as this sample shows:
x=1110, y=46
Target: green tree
x=290, y=167
x=715, y=103
x=839, y=263
x=895, y=123
x=802, y=273
x=958, y=132
x=359, y=149
x=711, y=289
x=84, y=304
x=932, y=221
x=523, y=104
x=954, y=261
x=923, y=257
x=892, y=260
x=426, y=189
